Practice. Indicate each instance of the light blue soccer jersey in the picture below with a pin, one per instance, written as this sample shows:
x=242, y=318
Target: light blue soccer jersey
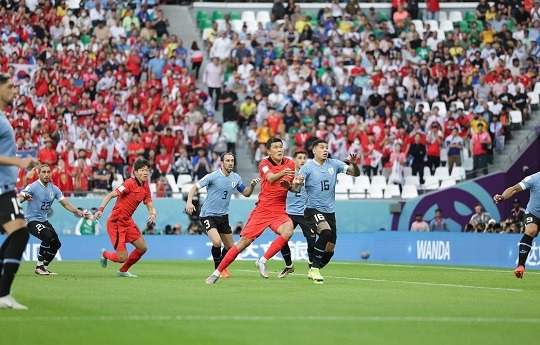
x=219, y=190
x=296, y=202
x=320, y=183
x=532, y=183
x=42, y=199
x=8, y=173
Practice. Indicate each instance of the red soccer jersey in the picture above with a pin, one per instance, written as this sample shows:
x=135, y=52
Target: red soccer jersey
x=130, y=195
x=273, y=197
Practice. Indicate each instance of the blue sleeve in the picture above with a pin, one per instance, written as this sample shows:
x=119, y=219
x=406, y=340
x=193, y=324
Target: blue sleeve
x=205, y=181
x=58, y=195
x=531, y=181
x=304, y=171
x=340, y=166
x=29, y=189
x=240, y=186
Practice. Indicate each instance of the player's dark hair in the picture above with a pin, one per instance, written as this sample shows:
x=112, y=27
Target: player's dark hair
x=319, y=141
x=271, y=141
x=222, y=157
x=43, y=165
x=140, y=163
x=4, y=78
x=299, y=152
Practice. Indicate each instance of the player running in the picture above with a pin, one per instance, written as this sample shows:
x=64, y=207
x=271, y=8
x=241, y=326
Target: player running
x=296, y=204
x=40, y=196
x=214, y=214
x=531, y=217
x=120, y=225
x=11, y=214
x=320, y=176
x=275, y=171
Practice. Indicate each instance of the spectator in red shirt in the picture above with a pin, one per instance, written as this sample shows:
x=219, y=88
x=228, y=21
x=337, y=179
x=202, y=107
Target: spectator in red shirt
x=168, y=141
x=61, y=177
x=163, y=162
x=48, y=154
x=480, y=143
x=135, y=148
x=150, y=139
x=434, y=138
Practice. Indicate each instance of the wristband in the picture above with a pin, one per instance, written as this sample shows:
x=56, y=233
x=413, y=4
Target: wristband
x=101, y=208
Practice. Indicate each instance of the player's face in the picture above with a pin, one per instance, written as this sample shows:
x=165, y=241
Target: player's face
x=142, y=174
x=45, y=175
x=321, y=151
x=276, y=151
x=300, y=160
x=228, y=163
x=7, y=92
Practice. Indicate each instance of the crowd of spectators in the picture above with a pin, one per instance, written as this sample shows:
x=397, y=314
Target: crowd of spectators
x=377, y=85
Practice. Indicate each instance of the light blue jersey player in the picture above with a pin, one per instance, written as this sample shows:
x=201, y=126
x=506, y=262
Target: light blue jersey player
x=531, y=217
x=319, y=178
x=214, y=214
x=40, y=196
x=296, y=206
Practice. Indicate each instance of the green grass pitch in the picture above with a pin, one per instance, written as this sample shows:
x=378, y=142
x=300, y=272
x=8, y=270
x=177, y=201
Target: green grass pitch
x=360, y=303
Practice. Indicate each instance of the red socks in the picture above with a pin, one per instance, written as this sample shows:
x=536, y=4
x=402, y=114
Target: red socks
x=110, y=256
x=132, y=259
x=228, y=259
x=275, y=247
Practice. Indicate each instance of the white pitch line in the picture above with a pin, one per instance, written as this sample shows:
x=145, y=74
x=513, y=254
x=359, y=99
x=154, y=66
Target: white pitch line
x=243, y=318
x=413, y=283
x=435, y=267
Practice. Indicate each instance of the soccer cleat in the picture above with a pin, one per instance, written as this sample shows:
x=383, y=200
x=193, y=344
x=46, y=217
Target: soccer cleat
x=262, y=269
x=286, y=271
x=102, y=259
x=315, y=275
x=8, y=302
x=212, y=279
x=126, y=274
x=50, y=273
x=42, y=271
x=519, y=272
x=225, y=274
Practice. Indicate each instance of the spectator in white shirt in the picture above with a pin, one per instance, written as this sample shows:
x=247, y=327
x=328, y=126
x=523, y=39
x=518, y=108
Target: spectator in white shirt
x=213, y=78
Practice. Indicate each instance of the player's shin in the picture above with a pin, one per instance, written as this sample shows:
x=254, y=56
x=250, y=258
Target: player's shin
x=286, y=253
x=326, y=258
x=228, y=259
x=275, y=247
x=216, y=255
x=320, y=247
x=12, y=258
x=132, y=260
x=524, y=248
x=3, y=252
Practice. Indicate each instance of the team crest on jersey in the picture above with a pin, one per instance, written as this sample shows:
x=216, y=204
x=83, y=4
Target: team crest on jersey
x=331, y=170
x=52, y=195
x=233, y=184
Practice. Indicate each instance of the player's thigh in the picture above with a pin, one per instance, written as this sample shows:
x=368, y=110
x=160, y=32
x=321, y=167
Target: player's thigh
x=133, y=234
x=307, y=230
x=140, y=244
x=11, y=213
x=228, y=240
x=281, y=224
x=214, y=236
x=531, y=224
x=117, y=235
x=255, y=225
x=317, y=219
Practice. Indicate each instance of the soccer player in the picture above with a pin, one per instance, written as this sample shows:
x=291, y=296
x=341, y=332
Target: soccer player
x=277, y=173
x=40, y=196
x=11, y=214
x=215, y=211
x=531, y=217
x=320, y=176
x=296, y=204
x=120, y=225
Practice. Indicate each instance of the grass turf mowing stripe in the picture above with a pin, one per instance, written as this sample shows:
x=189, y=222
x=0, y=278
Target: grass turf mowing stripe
x=435, y=319
x=494, y=270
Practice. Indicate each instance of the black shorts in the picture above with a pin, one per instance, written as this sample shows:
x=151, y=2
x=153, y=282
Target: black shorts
x=307, y=229
x=11, y=208
x=220, y=223
x=316, y=217
x=529, y=218
x=36, y=228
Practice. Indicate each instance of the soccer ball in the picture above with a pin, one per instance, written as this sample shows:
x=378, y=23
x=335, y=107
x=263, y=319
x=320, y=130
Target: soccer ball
x=364, y=255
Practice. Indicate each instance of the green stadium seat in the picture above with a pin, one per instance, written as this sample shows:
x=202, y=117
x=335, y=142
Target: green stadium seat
x=470, y=17
x=217, y=15
x=205, y=24
x=234, y=15
x=85, y=39
x=383, y=16
x=201, y=15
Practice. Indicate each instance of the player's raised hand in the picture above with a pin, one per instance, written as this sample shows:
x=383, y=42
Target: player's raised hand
x=298, y=181
x=151, y=218
x=97, y=215
x=353, y=158
x=83, y=214
x=27, y=162
x=190, y=208
x=288, y=172
x=24, y=197
x=255, y=181
x=497, y=198
x=285, y=184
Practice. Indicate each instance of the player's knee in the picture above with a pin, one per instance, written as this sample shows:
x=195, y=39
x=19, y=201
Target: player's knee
x=122, y=257
x=55, y=244
x=531, y=230
x=216, y=243
x=243, y=243
x=330, y=247
x=142, y=250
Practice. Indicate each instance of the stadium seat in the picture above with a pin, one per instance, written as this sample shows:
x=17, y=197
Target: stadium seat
x=252, y=27
x=361, y=185
x=234, y=16
x=443, y=16
x=343, y=188
x=185, y=189
x=468, y=164
x=413, y=180
x=183, y=179
x=392, y=190
x=217, y=15
x=431, y=183
x=341, y=196
x=444, y=154
x=378, y=181
x=465, y=154
x=409, y=192
x=222, y=25
x=153, y=188
x=419, y=25
x=441, y=35
x=375, y=192
x=455, y=16
x=426, y=106
x=174, y=186
x=458, y=105
x=470, y=17
x=345, y=179
x=433, y=24
x=449, y=182
x=446, y=26
x=236, y=25
x=441, y=173
x=458, y=173
x=535, y=99
x=407, y=171
x=263, y=17
x=427, y=172
x=516, y=117
x=248, y=16
x=536, y=88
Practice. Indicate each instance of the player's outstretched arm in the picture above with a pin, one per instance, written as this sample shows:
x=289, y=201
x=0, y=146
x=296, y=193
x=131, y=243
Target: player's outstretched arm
x=24, y=197
x=353, y=168
x=23, y=163
x=69, y=206
x=152, y=212
x=508, y=193
x=271, y=177
x=104, y=203
x=190, y=208
x=249, y=190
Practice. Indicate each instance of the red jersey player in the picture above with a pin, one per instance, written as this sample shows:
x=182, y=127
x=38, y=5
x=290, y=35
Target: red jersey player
x=120, y=225
x=277, y=173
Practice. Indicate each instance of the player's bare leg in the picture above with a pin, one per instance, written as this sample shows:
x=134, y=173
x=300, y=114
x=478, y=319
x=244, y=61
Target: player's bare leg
x=531, y=230
x=285, y=231
x=238, y=247
x=134, y=256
